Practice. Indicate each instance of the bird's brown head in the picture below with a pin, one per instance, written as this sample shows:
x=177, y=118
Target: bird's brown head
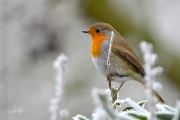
x=100, y=31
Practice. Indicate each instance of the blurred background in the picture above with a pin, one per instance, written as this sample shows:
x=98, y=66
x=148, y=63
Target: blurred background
x=33, y=33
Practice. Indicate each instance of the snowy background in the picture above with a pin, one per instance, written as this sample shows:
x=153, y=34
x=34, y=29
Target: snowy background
x=33, y=33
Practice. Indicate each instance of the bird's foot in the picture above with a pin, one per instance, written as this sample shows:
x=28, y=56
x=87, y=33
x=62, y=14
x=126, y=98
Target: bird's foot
x=109, y=77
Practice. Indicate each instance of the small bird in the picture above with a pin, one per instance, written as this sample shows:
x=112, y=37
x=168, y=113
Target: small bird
x=124, y=64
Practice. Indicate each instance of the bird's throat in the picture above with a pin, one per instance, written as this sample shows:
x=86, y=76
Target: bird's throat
x=96, y=45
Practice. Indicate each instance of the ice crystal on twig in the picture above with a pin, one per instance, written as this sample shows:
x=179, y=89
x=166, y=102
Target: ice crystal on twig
x=150, y=59
x=60, y=65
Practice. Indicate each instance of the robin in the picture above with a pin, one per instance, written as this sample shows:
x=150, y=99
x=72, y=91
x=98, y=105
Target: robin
x=124, y=64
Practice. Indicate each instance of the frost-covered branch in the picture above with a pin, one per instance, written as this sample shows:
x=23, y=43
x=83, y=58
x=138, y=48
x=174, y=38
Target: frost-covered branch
x=150, y=60
x=79, y=117
x=60, y=65
x=108, y=61
x=109, y=53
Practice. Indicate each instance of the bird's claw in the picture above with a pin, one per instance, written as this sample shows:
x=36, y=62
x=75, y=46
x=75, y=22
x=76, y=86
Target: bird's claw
x=109, y=77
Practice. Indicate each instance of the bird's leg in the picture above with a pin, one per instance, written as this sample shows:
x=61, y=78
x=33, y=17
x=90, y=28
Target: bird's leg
x=117, y=91
x=109, y=77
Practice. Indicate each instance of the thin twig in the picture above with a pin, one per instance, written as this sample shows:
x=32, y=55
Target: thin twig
x=150, y=59
x=108, y=62
x=110, y=87
x=109, y=54
x=117, y=91
x=56, y=105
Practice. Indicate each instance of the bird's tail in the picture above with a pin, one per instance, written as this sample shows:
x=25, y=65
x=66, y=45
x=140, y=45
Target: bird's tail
x=156, y=95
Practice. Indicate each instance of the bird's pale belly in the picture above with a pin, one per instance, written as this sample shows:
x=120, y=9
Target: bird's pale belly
x=116, y=69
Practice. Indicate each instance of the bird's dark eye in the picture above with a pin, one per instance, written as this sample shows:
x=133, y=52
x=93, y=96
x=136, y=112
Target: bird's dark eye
x=98, y=30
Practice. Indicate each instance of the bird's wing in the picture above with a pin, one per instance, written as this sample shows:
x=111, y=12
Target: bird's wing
x=129, y=58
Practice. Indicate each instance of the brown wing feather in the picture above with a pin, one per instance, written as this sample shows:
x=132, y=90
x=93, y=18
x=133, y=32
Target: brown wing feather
x=135, y=61
x=129, y=58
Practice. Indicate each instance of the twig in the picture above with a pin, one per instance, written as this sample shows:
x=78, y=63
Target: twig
x=109, y=54
x=56, y=104
x=108, y=62
x=151, y=72
x=117, y=91
x=110, y=86
x=147, y=50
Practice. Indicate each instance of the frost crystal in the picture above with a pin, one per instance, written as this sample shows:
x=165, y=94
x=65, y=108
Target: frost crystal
x=56, y=103
x=150, y=59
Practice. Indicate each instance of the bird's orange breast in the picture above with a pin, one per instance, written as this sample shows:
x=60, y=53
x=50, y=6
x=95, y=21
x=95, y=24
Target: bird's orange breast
x=97, y=41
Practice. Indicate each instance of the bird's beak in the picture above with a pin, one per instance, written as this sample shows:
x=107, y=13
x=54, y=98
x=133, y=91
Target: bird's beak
x=86, y=32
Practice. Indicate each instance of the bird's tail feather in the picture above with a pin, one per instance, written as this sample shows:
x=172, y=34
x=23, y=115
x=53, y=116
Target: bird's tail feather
x=156, y=95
